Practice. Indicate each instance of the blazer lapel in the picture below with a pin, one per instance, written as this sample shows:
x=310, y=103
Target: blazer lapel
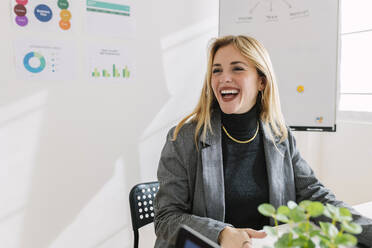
x=213, y=178
x=211, y=154
x=274, y=155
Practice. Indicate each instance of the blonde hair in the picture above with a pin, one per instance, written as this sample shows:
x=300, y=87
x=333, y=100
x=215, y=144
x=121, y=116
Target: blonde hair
x=270, y=104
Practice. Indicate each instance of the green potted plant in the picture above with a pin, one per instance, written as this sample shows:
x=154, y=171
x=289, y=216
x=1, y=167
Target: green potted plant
x=302, y=233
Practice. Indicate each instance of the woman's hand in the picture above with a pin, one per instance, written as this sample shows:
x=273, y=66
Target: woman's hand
x=238, y=237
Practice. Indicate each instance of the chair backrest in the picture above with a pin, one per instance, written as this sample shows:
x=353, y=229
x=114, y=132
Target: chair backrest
x=141, y=200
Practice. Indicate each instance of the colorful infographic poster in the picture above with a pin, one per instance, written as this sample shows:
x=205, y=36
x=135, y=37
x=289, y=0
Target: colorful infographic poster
x=44, y=61
x=110, y=64
x=43, y=15
x=112, y=18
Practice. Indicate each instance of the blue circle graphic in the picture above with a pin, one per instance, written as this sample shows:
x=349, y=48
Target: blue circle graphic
x=43, y=13
x=26, y=62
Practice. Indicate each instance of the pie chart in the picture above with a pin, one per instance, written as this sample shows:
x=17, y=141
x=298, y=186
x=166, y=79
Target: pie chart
x=31, y=56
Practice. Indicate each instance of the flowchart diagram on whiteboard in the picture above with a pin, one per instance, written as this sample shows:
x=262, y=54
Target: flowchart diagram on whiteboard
x=302, y=37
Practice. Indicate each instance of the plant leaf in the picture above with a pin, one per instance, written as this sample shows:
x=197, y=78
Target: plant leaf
x=345, y=215
x=266, y=209
x=299, y=242
x=304, y=204
x=329, y=229
x=297, y=214
x=346, y=239
x=297, y=230
x=324, y=244
x=333, y=210
x=315, y=209
x=324, y=238
x=303, y=242
x=282, y=218
x=314, y=233
x=310, y=244
x=306, y=226
x=284, y=210
x=284, y=241
x=327, y=213
x=352, y=227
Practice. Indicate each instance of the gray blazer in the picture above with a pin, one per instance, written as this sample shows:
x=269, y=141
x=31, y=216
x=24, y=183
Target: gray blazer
x=192, y=184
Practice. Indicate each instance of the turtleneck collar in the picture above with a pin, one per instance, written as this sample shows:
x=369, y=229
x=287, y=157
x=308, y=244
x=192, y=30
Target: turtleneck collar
x=241, y=125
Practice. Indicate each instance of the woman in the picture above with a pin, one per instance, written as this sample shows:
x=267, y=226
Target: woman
x=232, y=153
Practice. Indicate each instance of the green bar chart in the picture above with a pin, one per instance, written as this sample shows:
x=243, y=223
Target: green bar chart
x=110, y=63
x=105, y=74
x=126, y=72
x=116, y=72
x=96, y=73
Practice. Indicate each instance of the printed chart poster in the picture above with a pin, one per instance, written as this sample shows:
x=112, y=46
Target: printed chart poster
x=113, y=18
x=44, y=61
x=110, y=64
x=42, y=15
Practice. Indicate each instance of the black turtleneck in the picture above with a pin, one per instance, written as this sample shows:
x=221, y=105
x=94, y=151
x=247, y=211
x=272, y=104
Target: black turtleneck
x=245, y=176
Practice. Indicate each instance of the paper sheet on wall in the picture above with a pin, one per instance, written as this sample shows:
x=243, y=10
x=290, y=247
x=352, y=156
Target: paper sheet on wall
x=110, y=63
x=42, y=15
x=113, y=18
x=41, y=60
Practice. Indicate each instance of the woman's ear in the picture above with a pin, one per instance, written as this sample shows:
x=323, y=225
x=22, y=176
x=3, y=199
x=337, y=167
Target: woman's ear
x=261, y=83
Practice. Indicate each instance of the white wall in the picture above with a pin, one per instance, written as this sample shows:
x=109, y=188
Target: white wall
x=341, y=160
x=71, y=151
x=346, y=165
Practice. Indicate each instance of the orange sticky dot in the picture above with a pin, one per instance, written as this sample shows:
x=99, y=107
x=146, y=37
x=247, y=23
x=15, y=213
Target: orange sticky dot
x=300, y=88
x=65, y=25
x=65, y=15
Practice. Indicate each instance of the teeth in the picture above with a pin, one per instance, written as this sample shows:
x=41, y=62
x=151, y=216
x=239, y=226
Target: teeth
x=229, y=91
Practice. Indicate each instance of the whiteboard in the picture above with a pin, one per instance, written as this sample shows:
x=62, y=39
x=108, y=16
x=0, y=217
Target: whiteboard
x=302, y=37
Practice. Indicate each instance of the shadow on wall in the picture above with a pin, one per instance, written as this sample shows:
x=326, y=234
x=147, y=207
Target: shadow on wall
x=79, y=146
x=82, y=136
x=185, y=59
x=88, y=157
x=20, y=121
x=90, y=139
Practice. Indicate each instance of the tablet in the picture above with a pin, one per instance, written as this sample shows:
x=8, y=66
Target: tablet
x=189, y=238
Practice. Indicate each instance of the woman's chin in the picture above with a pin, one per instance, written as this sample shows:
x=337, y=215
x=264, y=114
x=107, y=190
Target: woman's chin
x=229, y=107
x=228, y=110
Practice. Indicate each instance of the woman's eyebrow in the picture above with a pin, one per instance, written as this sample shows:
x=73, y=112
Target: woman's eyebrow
x=238, y=62
x=232, y=63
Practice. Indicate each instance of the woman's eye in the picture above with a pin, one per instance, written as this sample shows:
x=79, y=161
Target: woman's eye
x=238, y=69
x=216, y=70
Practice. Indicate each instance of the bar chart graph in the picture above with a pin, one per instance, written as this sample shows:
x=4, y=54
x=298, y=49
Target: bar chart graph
x=110, y=64
x=115, y=72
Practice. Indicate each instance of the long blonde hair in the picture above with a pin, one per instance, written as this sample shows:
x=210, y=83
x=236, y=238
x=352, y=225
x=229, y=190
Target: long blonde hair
x=270, y=104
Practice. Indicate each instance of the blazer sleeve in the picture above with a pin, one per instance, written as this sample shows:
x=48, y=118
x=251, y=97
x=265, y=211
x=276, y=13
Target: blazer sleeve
x=308, y=187
x=173, y=202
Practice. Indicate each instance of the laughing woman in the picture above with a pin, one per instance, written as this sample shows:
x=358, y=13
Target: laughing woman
x=232, y=153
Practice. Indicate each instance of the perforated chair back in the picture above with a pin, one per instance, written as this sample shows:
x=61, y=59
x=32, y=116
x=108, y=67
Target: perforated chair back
x=141, y=200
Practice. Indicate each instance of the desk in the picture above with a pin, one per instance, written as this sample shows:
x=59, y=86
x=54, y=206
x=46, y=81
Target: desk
x=365, y=209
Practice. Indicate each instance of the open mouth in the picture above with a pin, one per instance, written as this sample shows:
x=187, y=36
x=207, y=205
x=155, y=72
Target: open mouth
x=228, y=95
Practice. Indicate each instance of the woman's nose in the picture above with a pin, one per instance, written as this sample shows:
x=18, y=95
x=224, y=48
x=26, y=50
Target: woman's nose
x=225, y=78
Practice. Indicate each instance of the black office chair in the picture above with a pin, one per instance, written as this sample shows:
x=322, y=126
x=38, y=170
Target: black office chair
x=141, y=200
